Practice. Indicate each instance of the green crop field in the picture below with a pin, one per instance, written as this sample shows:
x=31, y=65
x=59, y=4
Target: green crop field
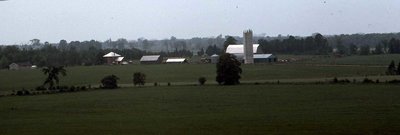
x=212, y=109
x=182, y=73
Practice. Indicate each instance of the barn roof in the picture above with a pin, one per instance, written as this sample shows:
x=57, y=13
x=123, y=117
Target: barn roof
x=175, y=60
x=263, y=56
x=111, y=55
x=119, y=59
x=150, y=58
x=239, y=48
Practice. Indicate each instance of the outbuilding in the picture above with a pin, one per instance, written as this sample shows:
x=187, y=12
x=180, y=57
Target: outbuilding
x=21, y=65
x=214, y=58
x=113, y=58
x=264, y=58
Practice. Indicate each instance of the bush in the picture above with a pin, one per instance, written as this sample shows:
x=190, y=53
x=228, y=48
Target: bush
x=40, y=88
x=366, y=80
x=110, y=82
x=335, y=80
x=72, y=88
x=394, y=81
x=20, y=93
x=155, y=84
x=169, y=84
x=202, y=80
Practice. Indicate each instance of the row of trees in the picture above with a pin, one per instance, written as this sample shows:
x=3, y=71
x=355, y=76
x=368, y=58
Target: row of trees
x=391, y=46
x=73, y=53
x=317, y=44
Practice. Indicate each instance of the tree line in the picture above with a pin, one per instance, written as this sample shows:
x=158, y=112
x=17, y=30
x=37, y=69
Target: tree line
x=71, y=54
x=317, y=44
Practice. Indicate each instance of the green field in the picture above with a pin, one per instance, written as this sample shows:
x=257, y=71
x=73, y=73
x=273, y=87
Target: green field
x=291, y=107
x=382, y=60
x=244, y=109
x=183, y=74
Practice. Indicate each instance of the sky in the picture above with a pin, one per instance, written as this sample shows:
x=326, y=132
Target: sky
x=53, y=20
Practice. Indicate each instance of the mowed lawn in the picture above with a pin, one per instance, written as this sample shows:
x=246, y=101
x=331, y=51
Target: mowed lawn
x=181, y=73
x=212, y=109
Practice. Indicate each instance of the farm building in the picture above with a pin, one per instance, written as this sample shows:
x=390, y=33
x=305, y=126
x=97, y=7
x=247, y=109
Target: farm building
x=238, y=51
x=264, y=58
x=176, y=60
x=113, y=58
x=214, y=58
x=21, y=65
x=150, y=59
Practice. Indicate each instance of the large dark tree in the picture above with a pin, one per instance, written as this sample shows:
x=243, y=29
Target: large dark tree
x=139, y=78
x=52, y=75
x=228, y=70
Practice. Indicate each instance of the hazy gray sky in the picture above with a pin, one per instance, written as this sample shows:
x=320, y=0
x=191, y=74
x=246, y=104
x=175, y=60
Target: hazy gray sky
x=53, y=20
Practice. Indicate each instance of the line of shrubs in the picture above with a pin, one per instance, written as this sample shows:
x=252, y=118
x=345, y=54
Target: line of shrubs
x=52, y=90
x=364, y=81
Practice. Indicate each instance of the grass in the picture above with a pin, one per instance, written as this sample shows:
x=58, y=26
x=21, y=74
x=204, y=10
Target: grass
x=181, y=73
x=243, y=109
x=382, y=60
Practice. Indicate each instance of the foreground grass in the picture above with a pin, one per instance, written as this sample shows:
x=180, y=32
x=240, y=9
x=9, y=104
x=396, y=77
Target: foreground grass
x=186, y=73
x=245, y=109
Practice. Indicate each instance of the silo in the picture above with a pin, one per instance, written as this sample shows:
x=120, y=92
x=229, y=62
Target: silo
x=248, y=47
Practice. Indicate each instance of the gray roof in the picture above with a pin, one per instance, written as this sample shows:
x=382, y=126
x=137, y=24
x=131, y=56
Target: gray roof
x=263, y=56
x=150, y=58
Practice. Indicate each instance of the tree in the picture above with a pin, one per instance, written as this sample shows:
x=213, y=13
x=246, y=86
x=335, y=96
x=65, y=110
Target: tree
x=398, y=69
x=201, y=52
x=110, y=82
x=228, y=70
x=364, y=50
x=378, y=49
x=353, y=49
x=229, y=41
x=4, y=62
x=52, y=75
x=391, y=70
x=139, y=78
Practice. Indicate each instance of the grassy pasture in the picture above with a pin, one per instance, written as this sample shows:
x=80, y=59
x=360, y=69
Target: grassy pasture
x=243, y=109
x=182, y=73
x=383, y=60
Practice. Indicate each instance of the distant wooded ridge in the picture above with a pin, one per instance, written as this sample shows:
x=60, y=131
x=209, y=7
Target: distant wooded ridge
x=91, y=52
x=197, y=43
